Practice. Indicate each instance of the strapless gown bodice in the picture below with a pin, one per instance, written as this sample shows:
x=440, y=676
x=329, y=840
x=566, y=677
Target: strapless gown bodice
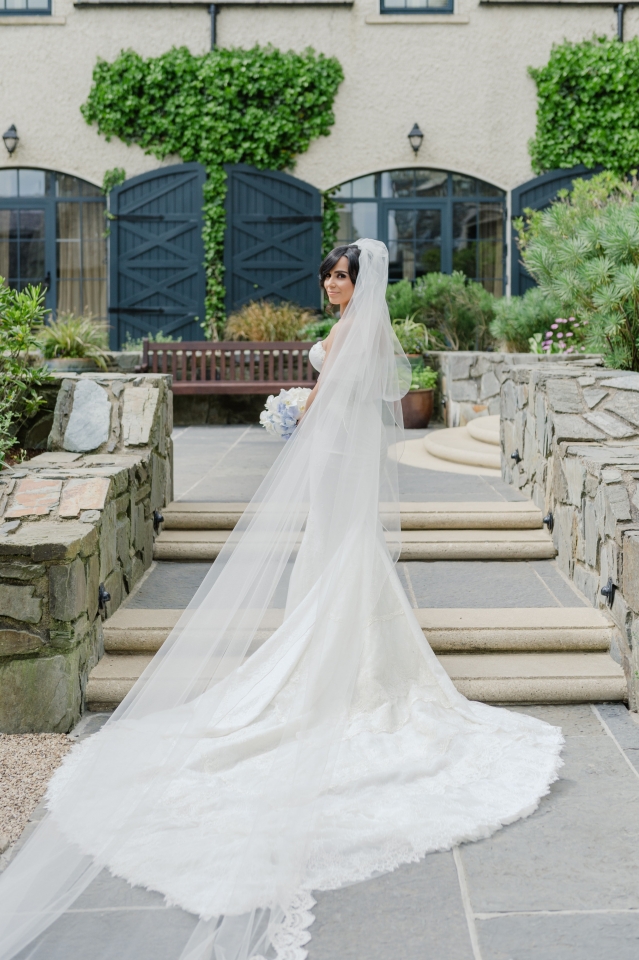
x=317, y=355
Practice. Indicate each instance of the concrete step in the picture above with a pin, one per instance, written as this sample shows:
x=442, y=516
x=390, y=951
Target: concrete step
x=488, y=677
x=457, y=445
x=518, y=515
x=189, y=545
x=133, y=630
x=536, y=677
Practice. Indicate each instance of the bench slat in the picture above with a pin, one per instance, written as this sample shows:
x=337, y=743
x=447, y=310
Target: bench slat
x=227, y=366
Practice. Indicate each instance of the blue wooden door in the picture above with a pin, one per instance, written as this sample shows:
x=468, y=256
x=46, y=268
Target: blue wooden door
x=273, y=242
x=537, y=194
x=157, y=278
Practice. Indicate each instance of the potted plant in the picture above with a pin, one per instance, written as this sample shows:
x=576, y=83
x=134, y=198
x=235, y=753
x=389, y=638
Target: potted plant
x=412, y=336
x=74, y=344
x=417, y=405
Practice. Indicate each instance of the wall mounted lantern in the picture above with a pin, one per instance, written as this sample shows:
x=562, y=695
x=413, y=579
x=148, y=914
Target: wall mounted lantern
x=11, y=138
x=415, y=138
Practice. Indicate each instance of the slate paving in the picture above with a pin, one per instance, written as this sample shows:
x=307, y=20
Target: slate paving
x=562, y=884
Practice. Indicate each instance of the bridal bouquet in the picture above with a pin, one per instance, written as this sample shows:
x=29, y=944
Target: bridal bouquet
x=281, y=414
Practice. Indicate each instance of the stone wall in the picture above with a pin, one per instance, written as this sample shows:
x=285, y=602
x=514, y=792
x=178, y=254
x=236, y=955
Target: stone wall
x=471, y=381
x=575, y=428
x=72, y=519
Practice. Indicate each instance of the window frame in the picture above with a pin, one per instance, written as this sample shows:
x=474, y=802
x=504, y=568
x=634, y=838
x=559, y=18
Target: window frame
x=27, y=12
x=49, y=202
x=386, y=8
x=446, y=202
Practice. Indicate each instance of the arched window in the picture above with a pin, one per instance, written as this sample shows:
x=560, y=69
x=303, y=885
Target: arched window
x=431, y=220
x=52, y=230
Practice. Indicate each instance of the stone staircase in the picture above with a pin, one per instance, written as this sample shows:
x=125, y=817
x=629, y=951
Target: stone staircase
x=512, y=655
x=431, y=531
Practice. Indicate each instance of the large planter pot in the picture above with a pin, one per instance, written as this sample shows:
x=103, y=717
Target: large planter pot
x=72, y=365
x=417, y=408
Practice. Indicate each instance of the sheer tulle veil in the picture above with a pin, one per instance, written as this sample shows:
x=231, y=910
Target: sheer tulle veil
x=162, y=770
x=295, y=732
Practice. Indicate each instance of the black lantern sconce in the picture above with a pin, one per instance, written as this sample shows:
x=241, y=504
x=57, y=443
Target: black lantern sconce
x=415, y=138
x=11, y=138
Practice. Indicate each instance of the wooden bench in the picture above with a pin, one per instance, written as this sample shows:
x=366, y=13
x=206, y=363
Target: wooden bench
x=230, y=366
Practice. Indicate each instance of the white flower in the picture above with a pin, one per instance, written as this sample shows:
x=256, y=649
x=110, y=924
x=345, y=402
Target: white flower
x=282, y=413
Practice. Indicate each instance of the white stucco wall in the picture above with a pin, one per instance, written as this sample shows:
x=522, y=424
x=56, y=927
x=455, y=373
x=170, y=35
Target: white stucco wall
x=45, y=76
x=463, y=79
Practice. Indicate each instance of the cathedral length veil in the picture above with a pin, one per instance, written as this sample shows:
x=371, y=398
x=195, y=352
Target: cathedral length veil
x=337, y=749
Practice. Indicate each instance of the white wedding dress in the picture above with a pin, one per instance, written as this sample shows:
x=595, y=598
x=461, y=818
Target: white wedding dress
x=271, y=752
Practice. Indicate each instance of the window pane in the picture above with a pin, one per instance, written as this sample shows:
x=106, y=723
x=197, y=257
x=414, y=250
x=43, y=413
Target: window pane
x=357, y=220
x=94, y=298
x=414, y=243
x=8, y=224
x=67, y=186
x=68, y=217
x=491, y=247
x=31, y=183
x=15, y=4
x=431, y=183
x=345, y=190
x=364, y=186
x=90, y=190
x=488, y=190
x=398, y=183
x=8, y=183
x=32, y=224
x=38, y=4
x=465, y=238
x=464, y=186
x=69, y=296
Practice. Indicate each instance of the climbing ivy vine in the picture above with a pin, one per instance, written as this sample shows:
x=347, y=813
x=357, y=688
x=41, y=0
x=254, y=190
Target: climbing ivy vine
x=588, y=108
x=258, y=106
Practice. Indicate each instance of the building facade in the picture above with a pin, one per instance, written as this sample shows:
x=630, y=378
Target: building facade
x=457, y=68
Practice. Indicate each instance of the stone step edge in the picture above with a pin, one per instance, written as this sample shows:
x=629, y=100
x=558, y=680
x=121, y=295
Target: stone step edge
x=446, y=629
x=467, y=515
x=540, y=550
x=577, y=686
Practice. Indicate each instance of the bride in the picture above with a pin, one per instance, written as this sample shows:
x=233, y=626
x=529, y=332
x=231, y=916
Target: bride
x=295, y=732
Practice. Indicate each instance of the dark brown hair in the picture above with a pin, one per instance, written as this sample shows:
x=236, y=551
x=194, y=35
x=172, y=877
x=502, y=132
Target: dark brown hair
x=350, y=251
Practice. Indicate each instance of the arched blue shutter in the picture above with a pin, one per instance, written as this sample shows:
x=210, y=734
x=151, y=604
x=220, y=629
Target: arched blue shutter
x=157, y=277
x=273, y=241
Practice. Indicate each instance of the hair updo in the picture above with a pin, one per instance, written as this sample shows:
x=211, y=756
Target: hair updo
x=350, y=251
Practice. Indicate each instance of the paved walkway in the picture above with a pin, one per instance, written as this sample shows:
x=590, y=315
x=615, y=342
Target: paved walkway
x=561, y=885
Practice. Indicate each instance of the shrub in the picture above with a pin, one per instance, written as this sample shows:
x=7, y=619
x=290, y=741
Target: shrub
x=401, y=300
x=21, y=317
x=76, y=337
x=584, y=252
x=157, y=337
x=458, y=309
x=413, y=337
x=264, y=321
x=423, y=378
x=520, y=319
x=319, y=329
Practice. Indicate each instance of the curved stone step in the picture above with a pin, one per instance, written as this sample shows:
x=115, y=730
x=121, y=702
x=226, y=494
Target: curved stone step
x=457, y=445
x=485, y=429
x=468, y=515
x=194, y=545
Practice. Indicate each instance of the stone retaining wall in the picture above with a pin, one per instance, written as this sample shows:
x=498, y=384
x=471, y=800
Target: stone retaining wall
x=576, y=429
x=470, y=381
x=72, y=519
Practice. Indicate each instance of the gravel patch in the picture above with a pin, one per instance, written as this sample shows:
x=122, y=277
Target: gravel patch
x=27, y=762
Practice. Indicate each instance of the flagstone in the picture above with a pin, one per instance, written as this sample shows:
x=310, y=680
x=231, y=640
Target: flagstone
x=78, y=495
x=34, y=496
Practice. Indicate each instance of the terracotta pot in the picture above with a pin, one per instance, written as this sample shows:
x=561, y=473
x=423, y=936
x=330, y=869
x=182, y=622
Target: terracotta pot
x=72, y=365
x=417, y=408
